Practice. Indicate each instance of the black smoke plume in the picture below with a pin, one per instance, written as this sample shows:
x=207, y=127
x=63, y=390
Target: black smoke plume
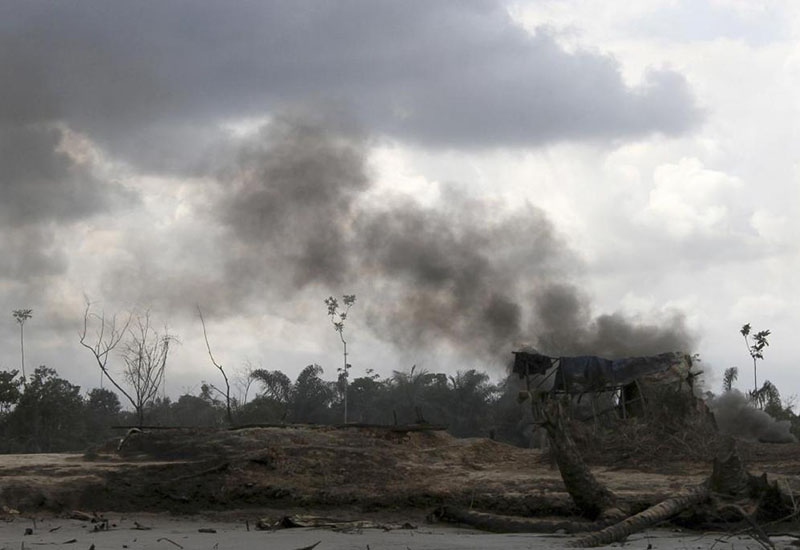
x=736, y=416
x=462, y=272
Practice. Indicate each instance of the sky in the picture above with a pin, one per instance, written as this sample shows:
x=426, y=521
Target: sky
x=611, y=178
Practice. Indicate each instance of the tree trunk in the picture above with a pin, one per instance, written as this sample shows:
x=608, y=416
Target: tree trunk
x=729, y=476
x=656, y=514
x=592, y=498
x=510, y=524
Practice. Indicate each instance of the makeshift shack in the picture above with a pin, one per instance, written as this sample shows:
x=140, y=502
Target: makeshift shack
x=618, y=385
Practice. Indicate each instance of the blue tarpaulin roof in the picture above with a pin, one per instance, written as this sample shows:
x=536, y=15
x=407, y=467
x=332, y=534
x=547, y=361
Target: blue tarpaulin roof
x=592, y=373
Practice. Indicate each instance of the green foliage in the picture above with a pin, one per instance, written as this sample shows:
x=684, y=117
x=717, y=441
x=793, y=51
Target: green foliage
x=311, y=397
x=103, y=410
x=49, y=415
x=338, y=317
x=22, y=315
x=759, y=341
x=276, y=385
x=191, y=410
x=260, y=410
x=766, y=396
x=756, y=349
x=9, y=390
x=730, y=376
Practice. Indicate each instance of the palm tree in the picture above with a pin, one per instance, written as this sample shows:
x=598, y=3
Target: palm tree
x=22, y=315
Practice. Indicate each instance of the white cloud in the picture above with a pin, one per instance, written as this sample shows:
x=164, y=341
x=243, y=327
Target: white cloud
x=774, y=229
x=688, y=199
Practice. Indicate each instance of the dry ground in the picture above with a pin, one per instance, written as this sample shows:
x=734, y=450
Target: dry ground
x=355, y=471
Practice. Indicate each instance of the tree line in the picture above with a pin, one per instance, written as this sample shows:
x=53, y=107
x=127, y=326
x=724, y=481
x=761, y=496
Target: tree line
x=50, y=414
x=43, y=412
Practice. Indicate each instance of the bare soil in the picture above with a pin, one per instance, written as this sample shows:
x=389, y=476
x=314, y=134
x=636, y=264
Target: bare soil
x=352, y=470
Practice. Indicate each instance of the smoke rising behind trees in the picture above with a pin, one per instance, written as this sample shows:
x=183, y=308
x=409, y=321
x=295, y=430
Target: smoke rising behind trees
x=736, y=415
x=477, y=276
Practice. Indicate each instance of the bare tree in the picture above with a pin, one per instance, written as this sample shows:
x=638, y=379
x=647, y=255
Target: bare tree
x=145, y=355
x=22, y=315
x=227, y=392
x=107, y=337
x=242, y=380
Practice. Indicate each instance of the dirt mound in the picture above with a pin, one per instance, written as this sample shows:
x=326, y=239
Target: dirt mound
x=201, y=444
x=192, y=469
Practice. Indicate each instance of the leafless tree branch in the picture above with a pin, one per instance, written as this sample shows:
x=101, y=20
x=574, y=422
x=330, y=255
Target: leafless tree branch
x=227, y=393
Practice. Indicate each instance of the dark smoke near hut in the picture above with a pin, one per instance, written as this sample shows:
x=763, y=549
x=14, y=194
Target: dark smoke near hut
x=460, y=272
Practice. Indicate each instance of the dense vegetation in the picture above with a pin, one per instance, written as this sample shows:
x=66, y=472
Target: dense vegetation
x=51, y=414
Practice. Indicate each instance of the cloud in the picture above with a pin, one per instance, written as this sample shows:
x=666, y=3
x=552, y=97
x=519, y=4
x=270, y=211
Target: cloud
x=691, y=20
x=31, y=252
x=153, y=83
x=42, y=190
x=688, y=199
x=40, y=182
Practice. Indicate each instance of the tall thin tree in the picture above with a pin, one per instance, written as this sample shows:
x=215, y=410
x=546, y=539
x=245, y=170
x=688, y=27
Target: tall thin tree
x=227, y=392
x=337, y=319
x=22, y=315
x=756, y=350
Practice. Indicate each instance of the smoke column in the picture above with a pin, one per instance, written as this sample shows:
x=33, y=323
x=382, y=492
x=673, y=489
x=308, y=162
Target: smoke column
x=462, y=273
x=736, y=416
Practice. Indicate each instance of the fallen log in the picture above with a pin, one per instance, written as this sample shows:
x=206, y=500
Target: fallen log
x=656, y=514
x=321, y=522
x=511, y=524
x=729, y=485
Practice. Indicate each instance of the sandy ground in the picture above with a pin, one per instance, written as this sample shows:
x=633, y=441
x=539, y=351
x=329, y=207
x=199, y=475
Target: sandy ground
x=186, y=471
x=162, y=477
x=170, y=533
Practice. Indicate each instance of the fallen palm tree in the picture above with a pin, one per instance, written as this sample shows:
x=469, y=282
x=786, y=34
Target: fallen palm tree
x=730, y=494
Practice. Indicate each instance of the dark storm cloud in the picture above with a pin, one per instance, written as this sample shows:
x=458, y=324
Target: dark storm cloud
x=41, y=183
x=150, y=80
x=43, y=189
x=30, y=252
x=459, y=272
